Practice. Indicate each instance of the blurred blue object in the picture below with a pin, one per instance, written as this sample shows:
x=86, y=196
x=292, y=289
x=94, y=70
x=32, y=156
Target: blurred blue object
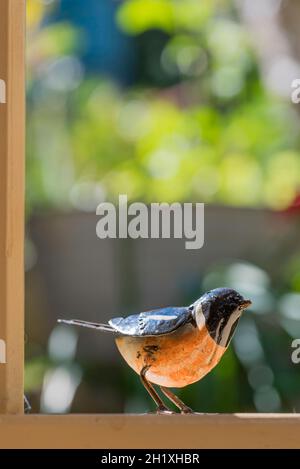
x=104, y=48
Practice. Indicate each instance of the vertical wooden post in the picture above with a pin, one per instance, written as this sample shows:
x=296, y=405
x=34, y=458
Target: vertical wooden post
x=12, y=125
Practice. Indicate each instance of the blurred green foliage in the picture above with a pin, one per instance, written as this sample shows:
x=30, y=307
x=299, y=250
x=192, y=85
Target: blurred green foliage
x=215, y=135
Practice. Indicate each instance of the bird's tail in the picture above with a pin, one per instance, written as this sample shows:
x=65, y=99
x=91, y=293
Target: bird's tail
x=91, y=325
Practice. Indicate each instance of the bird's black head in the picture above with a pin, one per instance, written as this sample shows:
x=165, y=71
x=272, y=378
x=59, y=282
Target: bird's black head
x=219, y=310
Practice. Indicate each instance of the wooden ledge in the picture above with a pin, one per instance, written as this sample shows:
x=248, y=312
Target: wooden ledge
x=150, y=431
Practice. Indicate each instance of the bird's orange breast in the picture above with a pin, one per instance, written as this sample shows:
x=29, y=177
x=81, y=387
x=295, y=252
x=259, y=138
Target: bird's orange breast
x=177, y=359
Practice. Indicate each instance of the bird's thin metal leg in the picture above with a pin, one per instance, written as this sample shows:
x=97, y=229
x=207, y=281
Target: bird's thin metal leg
x=184, y=409
x=161, y=407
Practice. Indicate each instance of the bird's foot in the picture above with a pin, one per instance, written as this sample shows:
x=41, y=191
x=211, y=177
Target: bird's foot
x=162, y=411
x=186, y=410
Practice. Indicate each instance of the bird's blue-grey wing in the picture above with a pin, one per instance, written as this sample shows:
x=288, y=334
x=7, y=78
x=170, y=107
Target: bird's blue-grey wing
x=152, y=323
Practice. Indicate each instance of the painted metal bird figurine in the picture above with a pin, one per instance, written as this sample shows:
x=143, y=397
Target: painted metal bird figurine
x=176, y=346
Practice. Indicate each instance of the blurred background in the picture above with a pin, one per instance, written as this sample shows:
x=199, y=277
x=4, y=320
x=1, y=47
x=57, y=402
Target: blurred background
x=162, y=100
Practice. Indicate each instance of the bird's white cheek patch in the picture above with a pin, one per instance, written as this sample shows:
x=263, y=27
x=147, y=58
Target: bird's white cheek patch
x=227, y=329
x=200, y=318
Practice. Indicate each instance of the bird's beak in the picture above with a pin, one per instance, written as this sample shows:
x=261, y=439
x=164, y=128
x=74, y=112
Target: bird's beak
x=245, y=304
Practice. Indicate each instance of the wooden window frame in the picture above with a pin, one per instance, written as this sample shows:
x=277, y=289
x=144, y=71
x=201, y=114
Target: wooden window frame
x=81, y=431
